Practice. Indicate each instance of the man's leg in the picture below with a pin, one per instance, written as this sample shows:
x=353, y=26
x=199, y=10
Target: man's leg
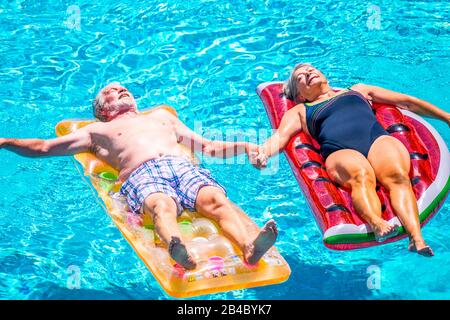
x=254, y=242
x=163, y=211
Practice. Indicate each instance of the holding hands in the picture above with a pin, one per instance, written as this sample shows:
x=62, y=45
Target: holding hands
x=257, y=156
x=256, y=153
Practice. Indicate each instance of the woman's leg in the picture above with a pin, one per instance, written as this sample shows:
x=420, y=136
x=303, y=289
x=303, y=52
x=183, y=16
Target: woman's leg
x=350, y=169
x=391, y=163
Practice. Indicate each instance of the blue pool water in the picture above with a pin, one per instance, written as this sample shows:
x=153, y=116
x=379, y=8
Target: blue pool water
x=205, y=58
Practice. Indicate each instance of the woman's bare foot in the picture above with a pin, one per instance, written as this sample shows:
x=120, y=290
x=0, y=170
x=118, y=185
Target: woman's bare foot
x=179, y=253
x=383, y=230
x=263, y=242
x=420, y=247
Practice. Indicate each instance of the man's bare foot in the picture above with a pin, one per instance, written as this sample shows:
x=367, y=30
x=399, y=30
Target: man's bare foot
x=179, y=253
x=383, y=230
x=420, y=247
x=263, y=242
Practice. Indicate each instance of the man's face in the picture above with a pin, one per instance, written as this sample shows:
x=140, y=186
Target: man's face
x=117, y=100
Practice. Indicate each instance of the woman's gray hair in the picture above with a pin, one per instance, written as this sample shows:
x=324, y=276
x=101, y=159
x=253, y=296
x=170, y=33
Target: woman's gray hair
x=290, y=87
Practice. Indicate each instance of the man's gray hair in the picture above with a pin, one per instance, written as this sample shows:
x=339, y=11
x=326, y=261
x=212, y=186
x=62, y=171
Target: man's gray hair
x=290, y=86
x=99, y=101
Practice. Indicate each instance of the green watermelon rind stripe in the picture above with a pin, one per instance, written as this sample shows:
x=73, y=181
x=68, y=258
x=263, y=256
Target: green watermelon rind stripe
x=353, y=238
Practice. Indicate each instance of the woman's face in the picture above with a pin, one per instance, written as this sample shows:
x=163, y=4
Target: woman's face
x=309, y=81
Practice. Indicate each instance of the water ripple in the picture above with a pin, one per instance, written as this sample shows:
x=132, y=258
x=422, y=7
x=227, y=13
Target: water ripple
x=205, y=58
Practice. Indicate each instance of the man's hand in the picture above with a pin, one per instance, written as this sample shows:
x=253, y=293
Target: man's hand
x=256, y=155
x=2, y=142
x=212, y=147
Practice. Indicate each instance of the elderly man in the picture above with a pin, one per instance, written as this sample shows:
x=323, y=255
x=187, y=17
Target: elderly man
x=158, y=178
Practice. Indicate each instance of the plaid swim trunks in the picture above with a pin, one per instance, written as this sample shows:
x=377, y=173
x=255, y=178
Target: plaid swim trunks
x=174, y=176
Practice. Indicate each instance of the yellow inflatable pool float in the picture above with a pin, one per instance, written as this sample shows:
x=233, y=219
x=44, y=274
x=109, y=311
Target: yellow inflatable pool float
x=220, y=265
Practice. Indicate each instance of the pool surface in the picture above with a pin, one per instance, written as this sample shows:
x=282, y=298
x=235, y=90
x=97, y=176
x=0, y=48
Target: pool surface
x=205, y=58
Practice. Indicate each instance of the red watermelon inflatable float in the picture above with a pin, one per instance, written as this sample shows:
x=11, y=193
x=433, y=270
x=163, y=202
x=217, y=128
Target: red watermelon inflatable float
x=341, y=226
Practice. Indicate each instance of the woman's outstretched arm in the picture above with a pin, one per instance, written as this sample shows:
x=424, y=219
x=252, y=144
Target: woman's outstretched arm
x=403, y=101
x=290, y=125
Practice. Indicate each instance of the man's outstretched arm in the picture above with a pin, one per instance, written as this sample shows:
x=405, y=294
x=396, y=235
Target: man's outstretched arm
x=196, y=142
x=79, y=141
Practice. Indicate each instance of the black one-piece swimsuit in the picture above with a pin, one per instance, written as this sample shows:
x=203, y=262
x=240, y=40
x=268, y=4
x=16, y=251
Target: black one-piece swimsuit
x=345, y=121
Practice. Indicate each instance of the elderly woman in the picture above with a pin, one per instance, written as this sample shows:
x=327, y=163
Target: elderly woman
x=356, y=148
